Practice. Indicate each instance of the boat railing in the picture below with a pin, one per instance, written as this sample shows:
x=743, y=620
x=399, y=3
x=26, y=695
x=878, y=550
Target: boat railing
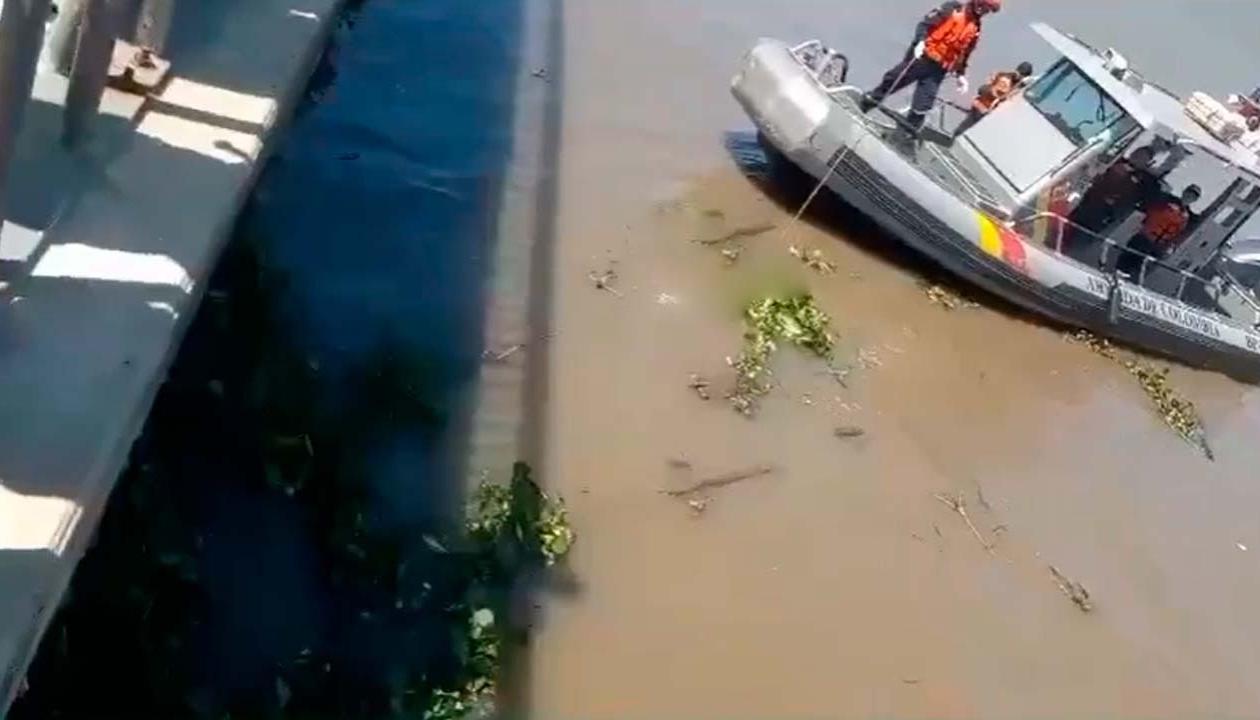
x=1243, y=292
x=1114, y=250
x=821, y=61
x=943, y=104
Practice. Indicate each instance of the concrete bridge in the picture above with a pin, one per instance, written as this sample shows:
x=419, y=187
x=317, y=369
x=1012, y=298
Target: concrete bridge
x=131, y=132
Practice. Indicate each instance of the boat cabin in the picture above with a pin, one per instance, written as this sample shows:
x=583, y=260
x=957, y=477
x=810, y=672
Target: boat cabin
x=1036, y=156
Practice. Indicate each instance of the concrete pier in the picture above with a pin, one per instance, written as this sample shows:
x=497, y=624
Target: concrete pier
x=102, y=261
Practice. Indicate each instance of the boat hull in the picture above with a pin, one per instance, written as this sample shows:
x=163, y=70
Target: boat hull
x=827, y=138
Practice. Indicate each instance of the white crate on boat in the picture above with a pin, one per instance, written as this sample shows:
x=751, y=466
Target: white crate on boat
x=1224, y=124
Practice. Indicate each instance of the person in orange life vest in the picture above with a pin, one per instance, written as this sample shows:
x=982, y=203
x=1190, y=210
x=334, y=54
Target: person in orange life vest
x=1000, y=87
x=944, y=41
x=1166, y=222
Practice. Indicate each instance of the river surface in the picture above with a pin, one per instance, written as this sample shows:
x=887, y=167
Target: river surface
x=838, y=585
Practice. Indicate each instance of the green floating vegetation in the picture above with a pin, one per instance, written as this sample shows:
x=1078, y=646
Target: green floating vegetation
x=510, y=527
x=1177, y=412
x=476, y=696
x=521, y=513
x=795, y=320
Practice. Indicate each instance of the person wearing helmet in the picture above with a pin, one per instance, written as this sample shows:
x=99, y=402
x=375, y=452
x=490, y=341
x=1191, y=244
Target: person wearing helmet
x=944, y=41
x=1000, y=87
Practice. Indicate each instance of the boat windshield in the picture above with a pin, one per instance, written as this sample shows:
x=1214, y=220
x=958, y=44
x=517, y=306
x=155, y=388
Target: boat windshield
x=1076, y=106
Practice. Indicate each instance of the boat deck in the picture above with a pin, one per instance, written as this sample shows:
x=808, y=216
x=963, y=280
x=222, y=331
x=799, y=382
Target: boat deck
x=934, y=155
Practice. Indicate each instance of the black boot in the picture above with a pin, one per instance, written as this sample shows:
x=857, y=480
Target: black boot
x=866, y=103
x=905, y=136
x=914, y=122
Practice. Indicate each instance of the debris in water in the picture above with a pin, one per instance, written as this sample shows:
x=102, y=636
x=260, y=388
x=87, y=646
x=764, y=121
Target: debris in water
x=700, y=385
x=848, y=431
x=813, y=259
x=605, y=280
x=498, y=356
x=946, y=297
x=1178, y=413
x=796, y=320
x=1101, y=346
x=723, y=480
x=869, y=358
x=738, y=234
x=1075, y=591
x=840, y=375
x=540, y=73
x=434, y=544
x=698, y=506
x=981, y=499
x=666, y=299
x=958, y=503
x=1240, y=546
x=732, y=255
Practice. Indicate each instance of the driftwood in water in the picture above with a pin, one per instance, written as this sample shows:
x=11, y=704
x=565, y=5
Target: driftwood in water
x=722, y=480
x=738, y=234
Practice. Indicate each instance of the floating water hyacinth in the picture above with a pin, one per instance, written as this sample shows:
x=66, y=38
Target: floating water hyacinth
x=1178, y=412
x=769, y=321
x=946, y=297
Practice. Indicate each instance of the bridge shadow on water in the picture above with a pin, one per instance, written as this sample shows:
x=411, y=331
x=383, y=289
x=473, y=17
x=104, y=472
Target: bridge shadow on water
x=279, y=543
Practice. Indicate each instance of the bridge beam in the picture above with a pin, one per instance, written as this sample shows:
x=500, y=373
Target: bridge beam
x=90, y=70
x=21, y=38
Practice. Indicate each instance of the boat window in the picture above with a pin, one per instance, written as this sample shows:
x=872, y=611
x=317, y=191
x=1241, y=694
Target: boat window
x=1228, y=216
x=1075, y=105
x=1249, y=193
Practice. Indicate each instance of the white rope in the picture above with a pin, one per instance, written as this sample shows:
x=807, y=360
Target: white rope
x=787, y=230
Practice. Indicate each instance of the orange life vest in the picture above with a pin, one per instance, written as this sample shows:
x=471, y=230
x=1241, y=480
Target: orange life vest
x=1000, y=86
x=1165, y=222
x=949, y=42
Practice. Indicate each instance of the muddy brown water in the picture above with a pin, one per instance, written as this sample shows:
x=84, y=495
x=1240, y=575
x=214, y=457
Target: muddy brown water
x=838, y=586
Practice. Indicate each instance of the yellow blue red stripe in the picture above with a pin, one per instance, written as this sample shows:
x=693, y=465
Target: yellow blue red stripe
x=1002, y=243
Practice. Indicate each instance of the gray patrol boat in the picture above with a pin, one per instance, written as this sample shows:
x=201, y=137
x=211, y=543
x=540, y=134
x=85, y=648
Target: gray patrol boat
x=995, y=204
